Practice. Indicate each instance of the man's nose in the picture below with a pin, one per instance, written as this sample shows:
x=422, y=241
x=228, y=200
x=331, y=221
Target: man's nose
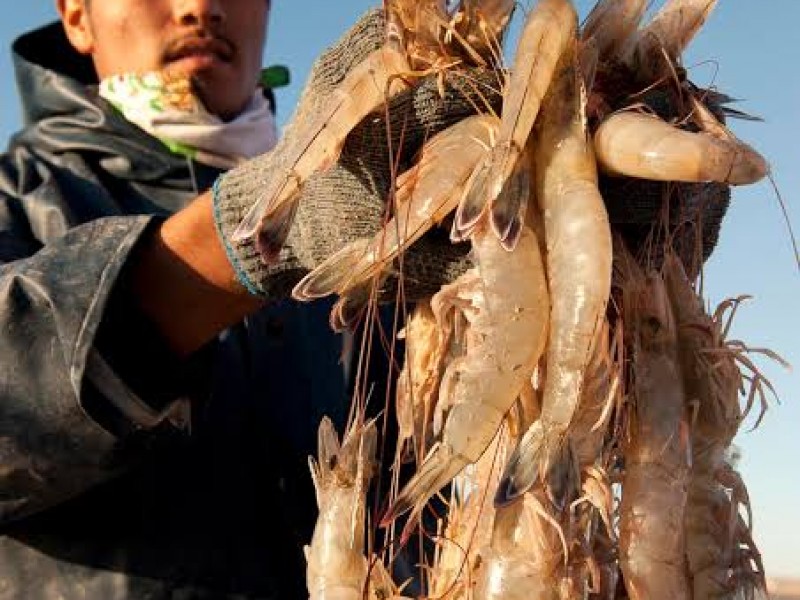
x=199, y=12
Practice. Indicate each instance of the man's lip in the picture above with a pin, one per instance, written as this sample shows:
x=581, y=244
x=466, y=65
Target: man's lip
x=200, y=50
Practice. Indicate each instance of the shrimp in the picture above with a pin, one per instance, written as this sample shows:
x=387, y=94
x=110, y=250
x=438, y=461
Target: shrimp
x=412, y=48
x=712, y=380
x=337, y=568
x=660, y=44
x=524, y=559
x=549, y=29
x=505, y=301
x=425, y=194
x=418, y=381
x=654, y=485
x=460, y=561
x=578, y=241
x=610, y=26
x=641, y=145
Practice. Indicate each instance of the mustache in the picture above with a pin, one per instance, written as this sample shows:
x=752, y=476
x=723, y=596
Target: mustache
x=199, y=40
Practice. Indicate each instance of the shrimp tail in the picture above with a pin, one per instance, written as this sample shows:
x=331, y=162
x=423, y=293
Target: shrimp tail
x=508, y=208
x=274, y=231
x=472, y=204
x=333, y=274
x=522, y=470
x=510, y=197
x=437, y=470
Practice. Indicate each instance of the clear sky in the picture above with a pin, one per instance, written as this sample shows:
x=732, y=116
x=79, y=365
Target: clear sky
x=749, y=50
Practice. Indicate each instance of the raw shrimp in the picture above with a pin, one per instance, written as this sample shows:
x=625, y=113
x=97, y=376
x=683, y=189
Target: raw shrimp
x=578, y=240
x=610, y=26
x=549, y=29
x=641, y=145
x=659, y=45
x=505, y=301
x=525, y=559
x=459, y=561
x=654, y=486
x=337, y=567
x=317, y=145
x=412, y=47
x=425, y=194
x=418, y=381
x=712, y=380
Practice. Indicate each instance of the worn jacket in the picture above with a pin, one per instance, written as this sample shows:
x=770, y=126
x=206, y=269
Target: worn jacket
x=125, y=473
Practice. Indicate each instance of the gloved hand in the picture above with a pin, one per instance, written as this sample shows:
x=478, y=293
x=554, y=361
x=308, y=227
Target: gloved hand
x=347, y=202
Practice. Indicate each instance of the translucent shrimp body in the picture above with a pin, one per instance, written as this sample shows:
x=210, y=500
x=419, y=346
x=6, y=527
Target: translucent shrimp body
x=712, y=379
x=523, y=559
x=641, y=145
x=549, y=29
x=654, y=487
x=318, y=143
x=578, y=240
x=337, y=568
x=505, y=302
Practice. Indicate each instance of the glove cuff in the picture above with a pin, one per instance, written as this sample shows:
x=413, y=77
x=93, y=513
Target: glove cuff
x=232, y=195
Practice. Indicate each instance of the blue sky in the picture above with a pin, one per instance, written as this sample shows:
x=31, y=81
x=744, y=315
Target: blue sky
x=748, y=49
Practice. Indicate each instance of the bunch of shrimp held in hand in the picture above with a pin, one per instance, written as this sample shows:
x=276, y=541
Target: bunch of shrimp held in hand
x=582, y=439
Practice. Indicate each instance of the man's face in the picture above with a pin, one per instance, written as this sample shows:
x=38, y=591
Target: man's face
x=218, y=43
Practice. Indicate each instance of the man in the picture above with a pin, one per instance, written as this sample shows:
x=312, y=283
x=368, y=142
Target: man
x=141, y=458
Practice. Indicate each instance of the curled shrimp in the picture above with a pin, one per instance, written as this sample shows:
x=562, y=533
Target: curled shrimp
x=337, y=568
x=578, y=240
x=657, y=454
x=641, y=145
x=549, y=29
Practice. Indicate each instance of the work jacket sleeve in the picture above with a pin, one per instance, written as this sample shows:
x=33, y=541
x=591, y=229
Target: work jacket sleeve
x=55, y=284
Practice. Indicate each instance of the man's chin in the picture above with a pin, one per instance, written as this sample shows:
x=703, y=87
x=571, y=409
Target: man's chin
x=217, y=96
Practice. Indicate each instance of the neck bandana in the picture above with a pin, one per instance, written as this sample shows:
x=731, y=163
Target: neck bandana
x=167, y=109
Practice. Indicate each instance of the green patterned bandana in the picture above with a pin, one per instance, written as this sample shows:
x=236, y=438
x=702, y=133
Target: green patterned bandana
x=167, y=108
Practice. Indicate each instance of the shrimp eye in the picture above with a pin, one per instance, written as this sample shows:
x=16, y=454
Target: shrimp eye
x=334, y=460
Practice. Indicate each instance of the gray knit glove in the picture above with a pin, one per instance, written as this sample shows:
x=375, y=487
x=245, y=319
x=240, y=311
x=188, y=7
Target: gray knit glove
x=348, y=201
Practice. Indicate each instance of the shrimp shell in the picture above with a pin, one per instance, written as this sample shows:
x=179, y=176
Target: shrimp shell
x=506, y=306
x=578, y=241
x=654, y=486
x=425, y=194
x=640, y=145
x=660, y=44
x=317, y=144
x=549, y=30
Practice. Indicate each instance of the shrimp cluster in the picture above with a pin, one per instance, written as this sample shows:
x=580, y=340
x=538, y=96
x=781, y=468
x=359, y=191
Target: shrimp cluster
x=573, y=407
